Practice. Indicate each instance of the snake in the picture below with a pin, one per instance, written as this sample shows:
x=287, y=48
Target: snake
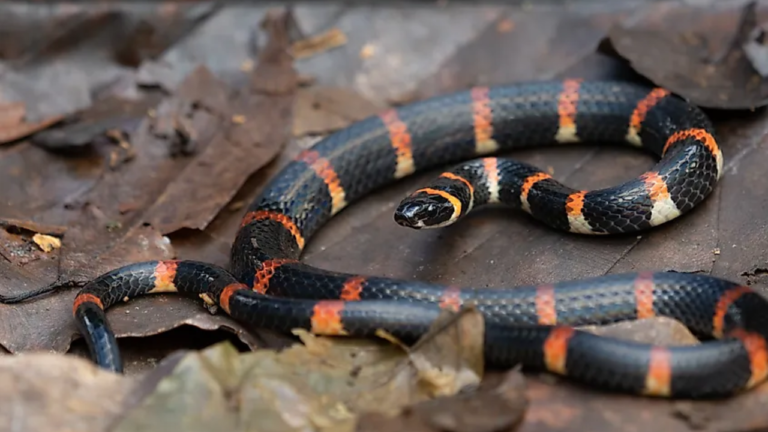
x=540, y=326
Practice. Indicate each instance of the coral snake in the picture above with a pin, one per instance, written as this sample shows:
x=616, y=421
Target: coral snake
x=267, y=286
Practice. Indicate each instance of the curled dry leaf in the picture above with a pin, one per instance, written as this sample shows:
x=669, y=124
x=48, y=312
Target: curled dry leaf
x=322, y=385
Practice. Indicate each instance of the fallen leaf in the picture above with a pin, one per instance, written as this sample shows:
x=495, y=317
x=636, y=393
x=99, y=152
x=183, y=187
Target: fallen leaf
x=33, y=226
x=250, y=138
x=494, y=407
x=322, y=385
x=101, y=237
x=12, y=124
x=314, y=45
x=690, y=50
x=321, y=110
x=657, y=330
x=47, y=243
x=48, y=392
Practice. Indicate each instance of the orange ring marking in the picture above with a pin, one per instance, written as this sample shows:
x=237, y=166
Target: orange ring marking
x=262, y=276
x=452, y=199
x=227, y=292
x=658, y=380
x=556, y=349
x=86, y=298
x=757, y=348
x=726, y=300
x=545, y=305
x=401, y=142
x=644, y=295
x=352, y=288
x=165, y=272
x=482, y=118
x=277, y=217
x=450, y=299
x=326, y=318
x=655, y=186
x=574, y=204
x=466, y=182
x=645, y=105
x=567, y=107
x=530, y=181
x=323, y=168
x=700, y=134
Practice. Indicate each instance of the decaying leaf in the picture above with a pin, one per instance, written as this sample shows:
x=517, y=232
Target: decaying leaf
x=322, y=385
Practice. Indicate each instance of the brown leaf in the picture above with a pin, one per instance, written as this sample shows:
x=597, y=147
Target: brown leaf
x=492, y=408
x=322, y=385
x=33, y=226
x=234, y=153
x=12, y=114
x=690, y=50
x=103, y=237
x=537, y=47
x=658, y=330
x=48, y=392
x=274, y=73
x=321, y=110
x=12, y=124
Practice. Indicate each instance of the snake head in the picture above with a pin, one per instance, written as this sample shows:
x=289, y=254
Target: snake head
x=426, y=209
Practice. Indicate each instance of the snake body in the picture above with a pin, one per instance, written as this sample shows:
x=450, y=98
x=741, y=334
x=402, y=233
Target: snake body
x=268, y=286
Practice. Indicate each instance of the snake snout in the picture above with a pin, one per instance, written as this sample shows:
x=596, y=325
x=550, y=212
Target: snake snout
x=410, y=214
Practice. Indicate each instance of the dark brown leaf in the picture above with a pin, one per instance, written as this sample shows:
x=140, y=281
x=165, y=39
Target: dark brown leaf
x=690, y=50
x=236, y=151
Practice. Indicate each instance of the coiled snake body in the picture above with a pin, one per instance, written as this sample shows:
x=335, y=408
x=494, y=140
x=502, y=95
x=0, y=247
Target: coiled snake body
x=267, y=285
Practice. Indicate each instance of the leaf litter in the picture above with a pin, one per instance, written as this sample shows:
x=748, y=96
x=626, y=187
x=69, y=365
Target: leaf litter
x=320, y=384
x=552, y=406
x=164, y=193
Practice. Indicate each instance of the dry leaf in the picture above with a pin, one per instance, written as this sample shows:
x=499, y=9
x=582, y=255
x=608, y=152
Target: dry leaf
x=308, y=47
x=322, y=385
x=47, y=243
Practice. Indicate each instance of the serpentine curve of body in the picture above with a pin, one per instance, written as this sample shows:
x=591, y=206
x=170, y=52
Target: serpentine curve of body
x=267, y=286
